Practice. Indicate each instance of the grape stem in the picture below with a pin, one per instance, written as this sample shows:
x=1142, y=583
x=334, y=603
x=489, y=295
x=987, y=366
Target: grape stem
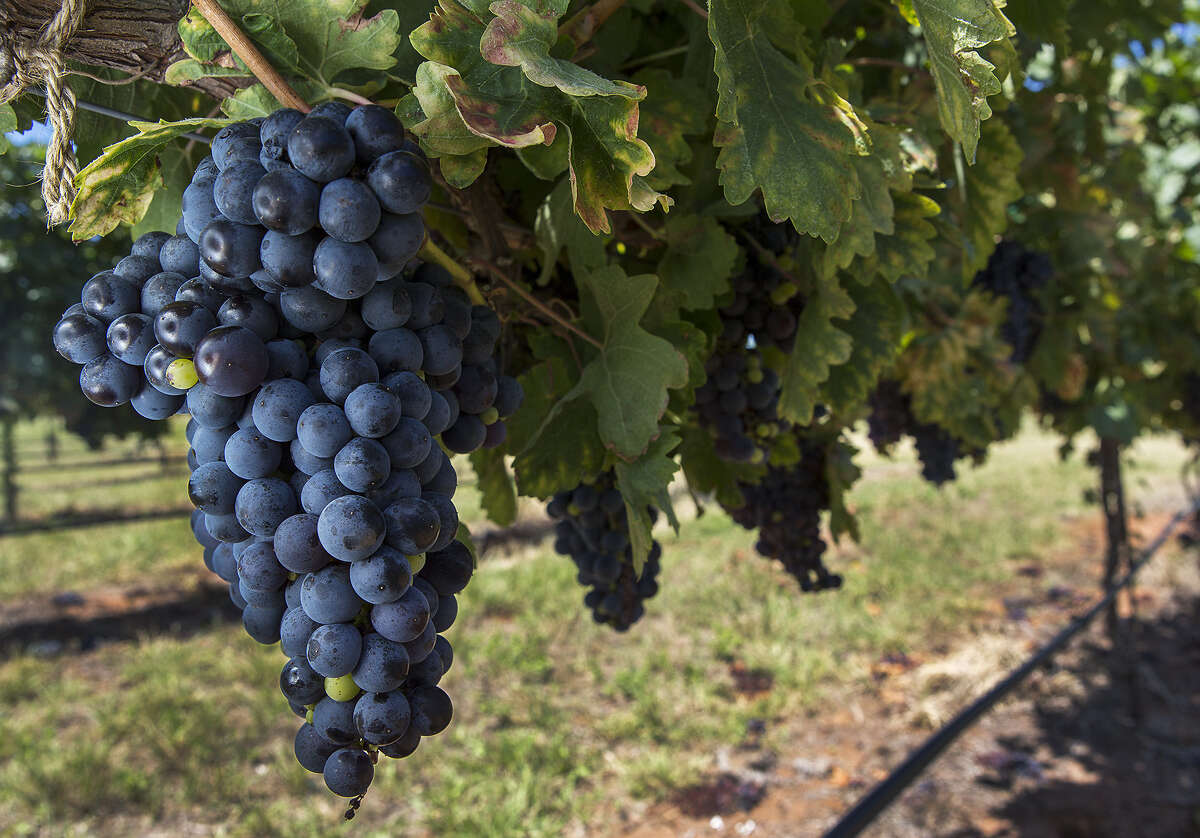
x=349, y=96
x=544, y=309
x=244, y=49
x=430, y=252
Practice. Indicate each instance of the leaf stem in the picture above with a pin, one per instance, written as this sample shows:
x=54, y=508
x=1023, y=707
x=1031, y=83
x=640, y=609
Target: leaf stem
x=349, y=96
x=430, y=252
x=655, y=56
x=544, y=309
x=244, y=49
x=637, y=219
x=697, y=8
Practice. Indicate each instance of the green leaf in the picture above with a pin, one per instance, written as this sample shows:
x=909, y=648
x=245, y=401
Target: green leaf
x=875, y=329
x=555, y=437
x=498, y=493
x=255, y=101
x=177, y=164
x=460, y=171
x=841, y=473
x=698, y=260
x=709, y=474
x=774, y=133
x=8, y=122
x=954, y=31
x=556, y=227
x=644, y=483
x=907, y=252
x=315, y=40
x=495, y=71
x=628, y=380
x=991, y=185
x=674, y=109
x=190, y=70
x=819, y=345
x=118, y=186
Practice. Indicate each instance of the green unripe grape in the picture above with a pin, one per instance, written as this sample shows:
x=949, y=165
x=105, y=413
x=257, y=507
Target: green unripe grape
x=489, y=416
x=181, y=374
x=308, y=717
x=416, y=563
x=341, y=689
x=763, y=430
x=783, y=292
x=754, y=376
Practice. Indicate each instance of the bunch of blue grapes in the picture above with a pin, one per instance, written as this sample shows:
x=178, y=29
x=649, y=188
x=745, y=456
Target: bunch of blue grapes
x=1018, y=275
x=785, y=506
x=593, y=529
x=891, y=418
x=321, y=364
x=738, y=403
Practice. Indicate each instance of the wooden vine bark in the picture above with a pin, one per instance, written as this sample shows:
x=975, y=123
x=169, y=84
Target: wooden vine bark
x=137, y=37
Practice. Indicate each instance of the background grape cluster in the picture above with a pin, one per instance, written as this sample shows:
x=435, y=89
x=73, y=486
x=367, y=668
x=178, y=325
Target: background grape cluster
x=738, y=403
x=593, y=529
x=320, y=364
x=891, y=418
x=785, y=506
x=1017, y=274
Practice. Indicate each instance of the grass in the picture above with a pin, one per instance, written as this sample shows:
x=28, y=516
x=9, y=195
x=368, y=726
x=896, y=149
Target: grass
x=560, y=725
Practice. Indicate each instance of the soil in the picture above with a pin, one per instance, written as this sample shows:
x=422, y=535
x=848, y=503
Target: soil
x=1103, y=744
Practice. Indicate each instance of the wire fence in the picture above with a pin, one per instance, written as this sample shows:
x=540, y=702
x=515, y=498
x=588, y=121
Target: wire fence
x=871, y=806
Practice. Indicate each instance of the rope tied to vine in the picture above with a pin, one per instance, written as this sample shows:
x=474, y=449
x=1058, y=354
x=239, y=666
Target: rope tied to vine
x=28, y=64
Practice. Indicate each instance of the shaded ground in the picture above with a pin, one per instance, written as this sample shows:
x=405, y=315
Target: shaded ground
x=1093, y=747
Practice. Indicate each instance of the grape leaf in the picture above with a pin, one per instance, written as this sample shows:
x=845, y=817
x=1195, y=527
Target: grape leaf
x=774, y=133
x=698, y=260
x=819, y=345
x=557, y=227
x=498, y=494
x=316, y=40
x=571, y=446
x=177, y=162
x=505, y=86
x=628, y=380
x=646, y=482
x=709, y=474
x=674, y=109
x=118, y=186
x=875, y=328
x=841, y=473
x=256, y=101
x=990, y=186
x=954, y=31
x=907, y=252
x=8, y=122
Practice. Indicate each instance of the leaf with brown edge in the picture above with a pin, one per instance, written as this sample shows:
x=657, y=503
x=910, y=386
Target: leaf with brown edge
x=118, y=186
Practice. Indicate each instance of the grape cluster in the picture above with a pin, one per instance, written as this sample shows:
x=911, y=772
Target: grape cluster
x=593, y=529
x=738, y=402
x=891, y=418
x=320, y=364
x=785, y=507
x=1017, y=274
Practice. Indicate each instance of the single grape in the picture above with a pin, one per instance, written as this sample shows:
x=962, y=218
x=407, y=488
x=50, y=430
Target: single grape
x=198, y=291
x=159, y=290
x=199, y=209
x=262, y=622
x=321, y=149
x=149, y=244
x=311, y=309
x=396, y=350
x=80, y=337
x=320, y=489
x=334, y=720
x=333, y=650
x=213, y=488
x=300, y=683
x=381, y=718
x=397, y=241
x=401, y=181
x=442, y=350
x=372, y=410
x=286, y=202
x=179, y=255
x=344, y=370
x=408, y=444
x=382, y=665
x=107, y=296
x=345, y=270
x=447, y=514
x=386, y=306
x=349, y=771
x=415, y=396
x=232, y=360
x=181, y=325
x=297, y=545
x=294, y=630
x=431, y=710
x=351, y=528
x=251, y=455
x=229, y=248
x=375, y=131
x=327, y=597
x=109, y=382
x=234, y=190
x=136, y=269
x=287, y=360
x=211, y=409
x=465, y=435
x=348, y=210
x=312, y=749
x=382, y=577
x=323, y=429
x=278, y=408
x=234, y=143
x=412, y=525
x=251, y=312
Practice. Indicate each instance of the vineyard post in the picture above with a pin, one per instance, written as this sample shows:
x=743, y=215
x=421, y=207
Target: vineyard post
x=10, y=470
x=1116, y=522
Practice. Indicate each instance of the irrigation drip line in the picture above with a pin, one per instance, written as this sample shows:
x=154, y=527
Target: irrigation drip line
x=879, y=798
